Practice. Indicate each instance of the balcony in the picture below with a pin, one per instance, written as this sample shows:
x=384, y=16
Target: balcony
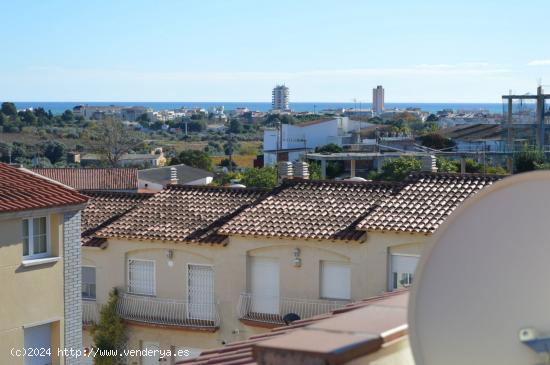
x=168, y=312
x=271, y=310
x=90, y=312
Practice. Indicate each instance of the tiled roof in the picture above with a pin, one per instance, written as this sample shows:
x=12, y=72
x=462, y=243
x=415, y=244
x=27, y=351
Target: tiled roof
x=93, y=178
x=104, y=208
x=372, y=323
x=23, y=190
x=425, y=201
x=183, y=213
x=310, y=209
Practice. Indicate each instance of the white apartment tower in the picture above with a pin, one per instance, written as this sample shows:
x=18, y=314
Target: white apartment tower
x=378, y=99
x=279, y=100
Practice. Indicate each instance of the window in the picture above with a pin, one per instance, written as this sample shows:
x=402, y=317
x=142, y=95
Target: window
x=402, y=270
x=88, y=282
x=335, y=280
x=36, y=241
x=141, y=277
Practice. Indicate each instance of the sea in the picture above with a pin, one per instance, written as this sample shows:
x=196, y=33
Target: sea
x=59, y=107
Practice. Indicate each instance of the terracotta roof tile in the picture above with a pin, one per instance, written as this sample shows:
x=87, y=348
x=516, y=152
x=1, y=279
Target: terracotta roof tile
x=104, y=208
x=311, y=209
x=93, y=178
x=183, y=213
x=23, y=190
x=425, y=201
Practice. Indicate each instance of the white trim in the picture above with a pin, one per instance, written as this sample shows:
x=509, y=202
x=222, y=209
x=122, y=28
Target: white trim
x=154, y=277
x=95, y=282
x=39, y=261
x=30, y=219
x=40, y=323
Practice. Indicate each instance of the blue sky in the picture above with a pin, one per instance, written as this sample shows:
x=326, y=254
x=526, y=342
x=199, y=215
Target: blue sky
x=236, y=50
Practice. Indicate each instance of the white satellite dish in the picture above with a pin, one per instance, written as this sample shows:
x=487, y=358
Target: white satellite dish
x=484, y=280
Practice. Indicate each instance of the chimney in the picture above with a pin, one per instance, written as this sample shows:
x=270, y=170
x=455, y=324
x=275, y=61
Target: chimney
x=173, y=175
x=285, y=170
x=429, y=163
x=301, y=169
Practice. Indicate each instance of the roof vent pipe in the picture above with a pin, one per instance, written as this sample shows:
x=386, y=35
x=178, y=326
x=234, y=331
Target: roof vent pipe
x=301, y=169
x=173, y=175
x=429, y=163
x=285, y=170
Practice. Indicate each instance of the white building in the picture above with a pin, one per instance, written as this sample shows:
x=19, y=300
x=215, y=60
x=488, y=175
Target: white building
x=291, y=141
x=279, y=99
x=378, y=99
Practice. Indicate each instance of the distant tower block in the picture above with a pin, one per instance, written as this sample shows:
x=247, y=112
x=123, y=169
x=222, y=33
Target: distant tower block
x=279, y=99
x=378, y=99
x=429, y=163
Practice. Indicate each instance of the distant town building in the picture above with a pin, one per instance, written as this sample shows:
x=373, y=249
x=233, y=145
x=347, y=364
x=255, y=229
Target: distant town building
x=290, y=142
x=378, y=99
x=280, y=98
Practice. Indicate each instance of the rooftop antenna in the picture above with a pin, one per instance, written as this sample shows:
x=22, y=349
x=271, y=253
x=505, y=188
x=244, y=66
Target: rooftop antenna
x=476, y=296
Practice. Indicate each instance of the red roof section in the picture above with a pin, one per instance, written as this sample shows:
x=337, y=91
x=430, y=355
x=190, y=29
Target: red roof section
x=93, y=178
x=383, y=317
x=22, y=190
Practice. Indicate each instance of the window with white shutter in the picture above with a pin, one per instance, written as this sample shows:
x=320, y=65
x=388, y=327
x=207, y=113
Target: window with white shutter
x=141, y=277
x=402, y=268
x=335, y=280
x=200, y=291
x=88, y=282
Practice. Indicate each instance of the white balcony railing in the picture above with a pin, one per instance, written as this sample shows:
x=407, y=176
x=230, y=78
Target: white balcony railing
x=90, y=312
x=274, y=309
x=170, y=312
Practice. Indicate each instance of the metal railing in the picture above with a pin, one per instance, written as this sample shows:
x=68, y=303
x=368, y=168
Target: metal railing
x=170, y=312
x=273, y=309
x=90, y=312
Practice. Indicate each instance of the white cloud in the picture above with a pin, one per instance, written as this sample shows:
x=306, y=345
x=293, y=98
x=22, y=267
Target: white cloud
x=539, y=63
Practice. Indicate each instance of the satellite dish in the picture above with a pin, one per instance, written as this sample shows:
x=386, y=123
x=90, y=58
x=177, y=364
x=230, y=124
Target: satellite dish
x=481, y=292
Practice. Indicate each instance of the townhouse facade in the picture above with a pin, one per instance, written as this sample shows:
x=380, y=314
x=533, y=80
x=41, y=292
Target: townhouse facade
x=199, y=267
x=39, y=268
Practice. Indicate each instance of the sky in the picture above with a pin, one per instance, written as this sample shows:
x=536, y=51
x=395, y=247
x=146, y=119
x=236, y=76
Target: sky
x=237, y=50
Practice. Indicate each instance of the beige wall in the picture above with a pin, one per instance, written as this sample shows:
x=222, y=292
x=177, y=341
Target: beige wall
x=394, y=353
x=30, y=295
x=368, y=261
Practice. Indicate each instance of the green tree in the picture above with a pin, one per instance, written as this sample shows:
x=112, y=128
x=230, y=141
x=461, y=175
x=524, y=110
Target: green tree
x=265, y=177
x=194, y=158
x=235, y=126
x=529, y=160
x=54, y=151
x=9, y=109
x=398, y=169
x=445, y=165
x=109, y=334
x=67, y=116
x=28, y=117
x=436, y=141
x=329, y=148
x=432, y=118
x=229, y=149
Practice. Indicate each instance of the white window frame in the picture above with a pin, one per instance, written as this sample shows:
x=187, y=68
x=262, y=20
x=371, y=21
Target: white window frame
x=154, y=294
x=95, y=277
x=31, y=255
x=391, y=281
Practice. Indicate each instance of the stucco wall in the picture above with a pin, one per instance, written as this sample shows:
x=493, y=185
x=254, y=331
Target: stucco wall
x=368, y=262
x=30, y=295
